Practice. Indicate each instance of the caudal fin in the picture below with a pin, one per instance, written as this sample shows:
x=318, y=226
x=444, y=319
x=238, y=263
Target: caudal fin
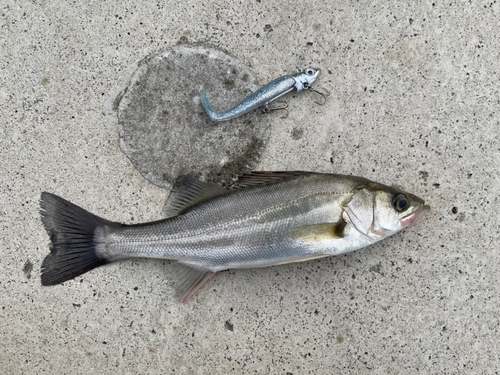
x=71, y=230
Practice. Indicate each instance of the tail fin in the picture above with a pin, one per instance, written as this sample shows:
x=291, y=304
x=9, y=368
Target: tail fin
x=71, y=230
x=208, y=108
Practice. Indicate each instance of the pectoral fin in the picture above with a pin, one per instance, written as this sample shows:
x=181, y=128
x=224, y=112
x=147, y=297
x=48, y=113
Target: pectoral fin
x=319, y=232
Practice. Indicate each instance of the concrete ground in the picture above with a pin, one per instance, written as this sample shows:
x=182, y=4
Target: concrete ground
x=414, y=102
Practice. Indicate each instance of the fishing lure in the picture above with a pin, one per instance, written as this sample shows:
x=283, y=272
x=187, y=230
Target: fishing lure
x=265, y=95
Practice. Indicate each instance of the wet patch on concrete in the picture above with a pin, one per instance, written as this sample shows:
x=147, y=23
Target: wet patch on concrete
x=297, y=133
x=28, y=267
x=165, y=131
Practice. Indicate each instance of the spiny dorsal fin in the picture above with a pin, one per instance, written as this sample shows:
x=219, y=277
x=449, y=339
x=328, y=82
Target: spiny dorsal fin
x=262, y=178
x=319, y=232
x=188, y=192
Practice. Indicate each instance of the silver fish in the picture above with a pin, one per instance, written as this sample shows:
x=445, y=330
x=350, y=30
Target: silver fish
x=265, y=95
x=265, y=219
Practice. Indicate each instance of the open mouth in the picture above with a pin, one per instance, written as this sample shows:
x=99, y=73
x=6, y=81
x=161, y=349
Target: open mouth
x=415, y=216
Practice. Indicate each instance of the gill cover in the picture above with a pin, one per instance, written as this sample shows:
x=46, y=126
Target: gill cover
x=360, y=210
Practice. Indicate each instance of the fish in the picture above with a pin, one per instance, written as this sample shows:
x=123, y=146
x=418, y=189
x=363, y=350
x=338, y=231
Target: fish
x=264, y=219
x=275, y=89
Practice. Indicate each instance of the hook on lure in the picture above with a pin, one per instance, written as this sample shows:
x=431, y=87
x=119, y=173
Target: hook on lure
x=324, y=94
x=302, y=80
x=282, y=107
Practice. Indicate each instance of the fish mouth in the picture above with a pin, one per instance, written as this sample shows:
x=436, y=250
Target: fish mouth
x=415, y=216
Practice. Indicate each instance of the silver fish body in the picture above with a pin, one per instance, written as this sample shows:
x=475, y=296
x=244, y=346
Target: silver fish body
x=268, y=219
x=244, y=228
x=265, y=95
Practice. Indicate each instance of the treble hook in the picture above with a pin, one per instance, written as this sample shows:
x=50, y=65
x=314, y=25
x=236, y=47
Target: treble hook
x=284, y=107
x=324, y=94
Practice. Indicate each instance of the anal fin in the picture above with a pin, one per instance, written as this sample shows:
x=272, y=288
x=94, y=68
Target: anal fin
x=188, y=280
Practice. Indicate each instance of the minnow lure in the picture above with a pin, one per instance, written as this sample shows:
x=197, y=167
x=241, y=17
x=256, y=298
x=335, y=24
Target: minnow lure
x=265, y=95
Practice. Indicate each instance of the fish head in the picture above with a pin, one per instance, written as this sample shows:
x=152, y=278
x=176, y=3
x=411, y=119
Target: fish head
x=379, y=211
x=309, y=76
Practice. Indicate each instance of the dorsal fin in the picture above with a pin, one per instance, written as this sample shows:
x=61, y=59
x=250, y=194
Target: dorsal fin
x=188, y=192
x=262, y=178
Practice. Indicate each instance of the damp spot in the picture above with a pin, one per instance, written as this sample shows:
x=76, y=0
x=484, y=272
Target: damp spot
x=377, y=269
x=116, y=102
x=229, y=84
x=45, y=80
x=165, y=131
x=28, y=267
x=224, y=174
x=424, y=175
x=340, y=339
x=297, y=133
x=228, y=326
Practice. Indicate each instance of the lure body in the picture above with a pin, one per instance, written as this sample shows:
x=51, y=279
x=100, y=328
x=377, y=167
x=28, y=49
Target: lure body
x=265, y=95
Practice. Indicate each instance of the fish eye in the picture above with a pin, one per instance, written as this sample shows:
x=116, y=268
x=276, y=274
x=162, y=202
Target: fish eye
x=400, y=202
x=309, y=72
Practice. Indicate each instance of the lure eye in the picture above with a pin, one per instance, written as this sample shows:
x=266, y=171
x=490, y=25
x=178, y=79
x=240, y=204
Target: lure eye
x=309, y=72
x=400, y=202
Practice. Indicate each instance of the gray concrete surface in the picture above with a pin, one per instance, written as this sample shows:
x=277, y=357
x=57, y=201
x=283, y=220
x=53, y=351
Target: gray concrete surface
x=415, y=103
